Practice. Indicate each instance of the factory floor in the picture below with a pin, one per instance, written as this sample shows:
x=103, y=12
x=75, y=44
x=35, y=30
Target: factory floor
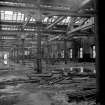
x=21, y=93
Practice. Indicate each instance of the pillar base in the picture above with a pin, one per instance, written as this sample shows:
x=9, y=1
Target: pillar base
x=39, y=66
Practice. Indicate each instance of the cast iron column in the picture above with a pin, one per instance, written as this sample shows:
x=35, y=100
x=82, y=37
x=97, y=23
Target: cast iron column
x=65, y=51
x=39, y=65
x=22, y=51
x=17, y=50
x=14, y=54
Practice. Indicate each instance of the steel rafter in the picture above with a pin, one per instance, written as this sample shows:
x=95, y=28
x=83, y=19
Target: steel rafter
x=55, y=22
x=46, y=11
x=26, y=22
x=73, y=30
x=80, y=27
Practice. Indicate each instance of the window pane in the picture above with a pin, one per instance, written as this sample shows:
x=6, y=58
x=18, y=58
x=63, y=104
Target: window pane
x=67, y=20
x=9, y=17
x=2, y=16
x=94, y=52
x=19, y=13
x=62, y=54
x=45, y=20
x=14, y=16
x=81, y=52
x=49, y=20
x=25, y=18
x=9, y=12
x=18, y=17
x=71, y=53
x=22, y=17
x=94, y=47
x=53, y=20
x=31, y=19
x=6, y=17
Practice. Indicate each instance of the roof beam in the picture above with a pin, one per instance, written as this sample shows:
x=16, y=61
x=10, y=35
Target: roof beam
x=74, y=30
x=47, y=11
x=55, y=22
x=80, y=27
x=80, y=35
x=77, y=35
x=15, y=33
x=26, y=22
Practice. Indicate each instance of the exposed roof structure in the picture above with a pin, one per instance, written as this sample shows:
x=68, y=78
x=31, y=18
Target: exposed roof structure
x=48, y=47
x=56, y=17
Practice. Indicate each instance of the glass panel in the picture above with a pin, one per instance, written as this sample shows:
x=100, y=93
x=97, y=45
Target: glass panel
x=67, y=20
x=18, y=17
x=5, y=28
x=77, y=21
x=31, y=19
x=52, y=19
x=14, y=16
x=71, y=51
x=93, y=47
x=25, y=18
x=62, y=22
x=62, y=54
x=19, y=13
x=45, y=20
x=2, y=15
x=6, y=17
x=25, y=53
x=55, y=17
x=10, y=15
x=9, y=12
x=94, y=52
x=22, y=17
x=5, y=62
x=81, y=52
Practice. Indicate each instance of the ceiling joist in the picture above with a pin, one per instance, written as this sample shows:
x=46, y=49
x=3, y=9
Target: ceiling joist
x=55, y=22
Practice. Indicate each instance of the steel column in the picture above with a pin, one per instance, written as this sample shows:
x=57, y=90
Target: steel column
x=17, y=50
x=14, y=54
x=65, y=51
x=22, y=49
x=39, y=63
x=48, y=54
x=11, y=54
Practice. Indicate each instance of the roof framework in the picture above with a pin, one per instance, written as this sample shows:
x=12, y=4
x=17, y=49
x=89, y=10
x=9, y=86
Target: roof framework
x=60, y=20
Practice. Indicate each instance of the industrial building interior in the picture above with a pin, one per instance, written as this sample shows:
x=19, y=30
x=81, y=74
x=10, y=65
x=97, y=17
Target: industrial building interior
x=48, y=52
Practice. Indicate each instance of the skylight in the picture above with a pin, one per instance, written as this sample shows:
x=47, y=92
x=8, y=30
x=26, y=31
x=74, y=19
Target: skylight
x=65, y=21
x=14, y=16
x=32, y=19
x=45, y=20
x=9, y=12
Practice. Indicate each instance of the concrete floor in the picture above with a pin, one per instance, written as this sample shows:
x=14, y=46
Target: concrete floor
x=32, y=93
